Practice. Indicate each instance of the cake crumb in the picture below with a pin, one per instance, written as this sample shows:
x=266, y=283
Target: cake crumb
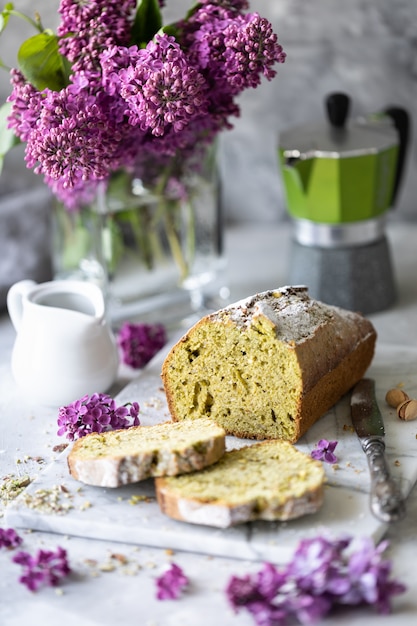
x=107, y=567
x=135, y=499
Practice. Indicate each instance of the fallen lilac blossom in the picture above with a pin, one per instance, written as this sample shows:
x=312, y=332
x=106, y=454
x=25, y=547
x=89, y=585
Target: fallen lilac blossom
x=322, y=575
x=171, y=583
x=9, y=538
x=325, y=451
x=46, y=568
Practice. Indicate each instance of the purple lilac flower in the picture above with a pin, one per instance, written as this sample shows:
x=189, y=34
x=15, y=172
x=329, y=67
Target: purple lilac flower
x=370, y=577
x=161, y=89
x=140, y=342
x=88, y=28
x=251, y=49
x=257, y=593
x=95, y=414
x=46, y=568
x=171, y=583
x=26, y=106
x=9, y=538
x=124, y=105
x=322, y=575
x=114, y=59
x=346, y=572
x=71, y=140
x=325, y=451
x=234, y=50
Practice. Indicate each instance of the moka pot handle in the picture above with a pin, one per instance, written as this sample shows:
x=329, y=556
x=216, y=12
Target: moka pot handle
x=402, y=122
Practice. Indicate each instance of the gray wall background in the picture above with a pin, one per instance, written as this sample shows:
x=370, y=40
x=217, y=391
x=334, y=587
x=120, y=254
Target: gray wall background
x=365, y=47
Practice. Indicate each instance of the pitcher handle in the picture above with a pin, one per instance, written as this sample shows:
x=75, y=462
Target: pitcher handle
x=15, y=300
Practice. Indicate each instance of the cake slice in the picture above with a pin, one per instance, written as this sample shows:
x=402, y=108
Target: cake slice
x=269, y=366
x=120, y=457
x=271, y=480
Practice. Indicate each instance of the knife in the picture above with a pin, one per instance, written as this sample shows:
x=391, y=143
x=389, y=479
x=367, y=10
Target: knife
x=387, y=503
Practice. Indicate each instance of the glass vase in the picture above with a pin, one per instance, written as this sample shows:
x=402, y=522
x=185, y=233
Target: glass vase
x=154, y=244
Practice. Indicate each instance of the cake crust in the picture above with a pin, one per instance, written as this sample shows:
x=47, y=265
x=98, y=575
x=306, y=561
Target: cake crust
x=268, y=367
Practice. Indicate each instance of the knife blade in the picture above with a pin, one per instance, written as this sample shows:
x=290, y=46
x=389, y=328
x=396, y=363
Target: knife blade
x=387, y=503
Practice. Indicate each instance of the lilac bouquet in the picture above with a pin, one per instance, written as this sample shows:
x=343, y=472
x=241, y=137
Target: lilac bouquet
x=116, y=91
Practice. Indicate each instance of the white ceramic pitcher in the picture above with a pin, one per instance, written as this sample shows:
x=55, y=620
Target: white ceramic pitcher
x=64, y=348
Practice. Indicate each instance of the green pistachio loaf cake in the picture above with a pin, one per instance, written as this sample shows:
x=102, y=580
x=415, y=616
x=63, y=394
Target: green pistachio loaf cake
x=120, y=457
x=269, y=366
x=271, y=480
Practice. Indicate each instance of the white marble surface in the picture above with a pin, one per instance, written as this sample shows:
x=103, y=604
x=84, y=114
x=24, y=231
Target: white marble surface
x=127, y=594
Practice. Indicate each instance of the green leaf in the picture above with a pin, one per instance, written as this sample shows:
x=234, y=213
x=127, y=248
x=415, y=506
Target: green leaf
x=5, y=15
x=7, y=137
x=172, y=30
x=42, y=64
x=148, y=21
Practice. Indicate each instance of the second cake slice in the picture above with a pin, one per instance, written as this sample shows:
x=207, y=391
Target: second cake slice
x=271, y=480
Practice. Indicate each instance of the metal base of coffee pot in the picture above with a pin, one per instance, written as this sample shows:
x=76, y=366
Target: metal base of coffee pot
x=358, y=277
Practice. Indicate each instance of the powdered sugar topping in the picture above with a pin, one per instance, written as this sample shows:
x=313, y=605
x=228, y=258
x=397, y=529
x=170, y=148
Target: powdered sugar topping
x=295, y=315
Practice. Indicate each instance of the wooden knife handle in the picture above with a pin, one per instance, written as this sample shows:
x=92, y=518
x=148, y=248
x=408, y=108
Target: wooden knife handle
x=387, y=502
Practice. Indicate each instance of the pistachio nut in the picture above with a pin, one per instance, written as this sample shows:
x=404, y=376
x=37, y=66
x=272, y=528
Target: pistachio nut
x=395, y=397
x=407, y=410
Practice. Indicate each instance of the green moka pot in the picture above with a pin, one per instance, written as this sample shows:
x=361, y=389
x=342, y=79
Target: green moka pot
x=340, y=179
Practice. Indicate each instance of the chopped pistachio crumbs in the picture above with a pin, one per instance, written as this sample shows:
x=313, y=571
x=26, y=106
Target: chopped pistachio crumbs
x=12, y=486
x=56, y=500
